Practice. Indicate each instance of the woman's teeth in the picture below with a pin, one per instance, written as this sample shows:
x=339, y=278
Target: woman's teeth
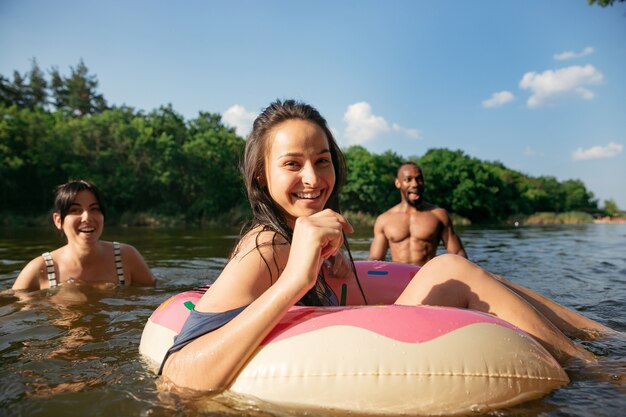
x=308, y=195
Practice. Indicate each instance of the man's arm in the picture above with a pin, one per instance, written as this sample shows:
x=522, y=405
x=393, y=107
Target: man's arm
x=450, y=239
x=380, y=244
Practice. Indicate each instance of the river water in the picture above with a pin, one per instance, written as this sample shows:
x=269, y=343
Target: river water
x=77, y=354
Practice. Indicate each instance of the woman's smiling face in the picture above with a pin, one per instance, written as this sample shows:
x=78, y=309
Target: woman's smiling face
x=84, y=219
x=299, y=172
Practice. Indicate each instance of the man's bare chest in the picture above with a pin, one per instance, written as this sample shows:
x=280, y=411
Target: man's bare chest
x=415, y=227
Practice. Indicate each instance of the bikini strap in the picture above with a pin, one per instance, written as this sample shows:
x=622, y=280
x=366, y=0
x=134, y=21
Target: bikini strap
x=52, y=277
x=118, y=262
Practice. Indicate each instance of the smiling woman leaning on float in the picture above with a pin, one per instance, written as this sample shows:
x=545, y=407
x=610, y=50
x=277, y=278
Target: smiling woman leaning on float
x=293, y=170
x=79, y=215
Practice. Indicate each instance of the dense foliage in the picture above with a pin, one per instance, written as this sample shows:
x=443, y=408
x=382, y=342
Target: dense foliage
x=604, y=3
x=469, y=187
x=159, y=162
x=155, y=162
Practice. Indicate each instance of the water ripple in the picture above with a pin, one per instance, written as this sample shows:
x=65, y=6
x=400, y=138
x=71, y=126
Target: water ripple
x=81, y=359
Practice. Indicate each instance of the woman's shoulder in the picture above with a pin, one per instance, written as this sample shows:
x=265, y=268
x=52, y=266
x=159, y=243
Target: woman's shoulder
x=252, y=268
x=261, y=240
x=124, y=247
x=134, y=264
x=260, y=254
x=126, y=250
x=38, y=262
x=28, y=278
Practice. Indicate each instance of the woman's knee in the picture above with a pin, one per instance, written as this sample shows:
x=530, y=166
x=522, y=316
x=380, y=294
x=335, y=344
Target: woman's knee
x=449, y=263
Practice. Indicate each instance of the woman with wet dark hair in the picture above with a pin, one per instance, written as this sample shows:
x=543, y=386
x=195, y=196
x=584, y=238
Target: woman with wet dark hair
x=79, y=215
x=293, y=171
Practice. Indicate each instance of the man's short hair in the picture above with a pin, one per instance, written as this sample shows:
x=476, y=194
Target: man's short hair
x=405, y=163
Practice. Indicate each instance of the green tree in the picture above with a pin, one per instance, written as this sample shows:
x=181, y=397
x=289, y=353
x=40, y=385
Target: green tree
x=17, y=91
x=156, y=156
x=25, y=91
x=576, y=197
x=77, y=93
x=462, y=185
x=210, y=176
x=102, y=150
x=58, y=90
x=515, y=185
x=610, y=207
x=37, y=87
x=547, y=194
x=603, y=3
x=5, y=91
x=29, y=159
x=369, y=184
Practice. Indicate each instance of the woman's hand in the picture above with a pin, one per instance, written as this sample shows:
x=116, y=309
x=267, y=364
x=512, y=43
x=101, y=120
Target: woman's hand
x=315, y=239
x=338, y=266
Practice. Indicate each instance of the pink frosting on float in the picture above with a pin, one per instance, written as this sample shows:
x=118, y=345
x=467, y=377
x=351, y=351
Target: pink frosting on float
x=173, y=313
x=402, y=323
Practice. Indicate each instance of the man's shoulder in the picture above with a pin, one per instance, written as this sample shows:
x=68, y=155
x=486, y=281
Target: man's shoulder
x=441, y=214
x=392, y=212
x=430, y=209
x=393, y=217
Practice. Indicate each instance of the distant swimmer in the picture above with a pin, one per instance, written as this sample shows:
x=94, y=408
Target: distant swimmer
x=79, y=215
x=413, y=228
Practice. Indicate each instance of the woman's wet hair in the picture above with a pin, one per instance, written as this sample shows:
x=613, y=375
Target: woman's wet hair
x=65, y=195
x=265, y=211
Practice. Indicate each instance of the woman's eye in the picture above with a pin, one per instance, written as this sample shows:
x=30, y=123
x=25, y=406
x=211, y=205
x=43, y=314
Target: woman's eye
x=74, y=210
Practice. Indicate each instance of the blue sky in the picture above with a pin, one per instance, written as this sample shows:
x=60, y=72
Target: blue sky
x=537, y=85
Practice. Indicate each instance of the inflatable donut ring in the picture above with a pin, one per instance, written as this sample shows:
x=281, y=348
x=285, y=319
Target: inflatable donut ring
x=383, y=359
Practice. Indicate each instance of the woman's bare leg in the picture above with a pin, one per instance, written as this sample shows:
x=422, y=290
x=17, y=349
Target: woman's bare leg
x=568, y=321
x=453, y=281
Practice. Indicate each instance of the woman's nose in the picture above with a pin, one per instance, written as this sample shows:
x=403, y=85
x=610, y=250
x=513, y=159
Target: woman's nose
x=85, y=215
x=309, y=175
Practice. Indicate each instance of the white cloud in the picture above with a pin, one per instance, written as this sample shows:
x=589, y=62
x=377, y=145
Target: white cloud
x=550, y=85
x=564, y=56
x=409, y=133
x=363, y=126
x=530, y=152
x=498, y=99
x=236, y=116
x=598, y=152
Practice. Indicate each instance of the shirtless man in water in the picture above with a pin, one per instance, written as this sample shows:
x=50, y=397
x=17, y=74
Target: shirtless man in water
x=413, y=228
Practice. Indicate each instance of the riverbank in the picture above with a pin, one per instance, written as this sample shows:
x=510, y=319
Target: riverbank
x=238, y=216
x=234, y=217
x=610, y=220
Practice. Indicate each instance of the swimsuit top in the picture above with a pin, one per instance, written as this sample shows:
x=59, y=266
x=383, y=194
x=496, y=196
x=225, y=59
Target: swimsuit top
x=52, y=278
x=200, y=323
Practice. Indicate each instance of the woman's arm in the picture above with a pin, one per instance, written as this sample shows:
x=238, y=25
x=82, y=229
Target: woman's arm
x=138, y=270
x=214, y=359
x=28, y=278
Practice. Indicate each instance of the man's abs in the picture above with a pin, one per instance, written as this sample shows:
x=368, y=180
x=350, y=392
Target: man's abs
x=412, y=251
